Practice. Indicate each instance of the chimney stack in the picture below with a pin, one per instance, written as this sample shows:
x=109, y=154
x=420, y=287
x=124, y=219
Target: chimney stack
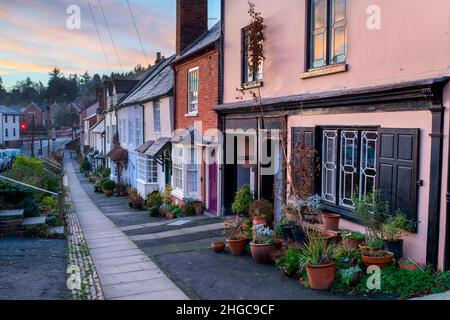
x=192, y=22
x=158, y=57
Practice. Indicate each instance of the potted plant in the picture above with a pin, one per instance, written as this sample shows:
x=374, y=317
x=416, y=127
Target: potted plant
x=235, y=235
x=317, y=257
x=330, y=221
x=121, y=190
x=310, y=209
x=278, y=237
x=298, y=234
x=351, y=276
x=395, y=228
x=108, y=187
x=154, y=203
x=135, y=201
x=242, y=200
x=408, y=265
x=289, y=263
x=218, y=246
x=352, y=240
x=263, y=244
x=286, y=230
x=290, y=210
x=261, y=211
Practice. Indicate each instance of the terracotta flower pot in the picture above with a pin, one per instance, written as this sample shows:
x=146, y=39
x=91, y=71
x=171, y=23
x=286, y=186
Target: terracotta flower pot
x=108, y=193
x=351, y=243
x=259, y=220
x=381, y=262
x=321, y=277
x=331, y=221
x=237, y=247
x=408, y=267
x=262, y=253
x=278, y=243
x=218, y=246
x=292, y=216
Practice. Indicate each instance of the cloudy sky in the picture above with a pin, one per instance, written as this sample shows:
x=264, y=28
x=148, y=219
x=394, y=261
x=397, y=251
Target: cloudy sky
x=34, y=37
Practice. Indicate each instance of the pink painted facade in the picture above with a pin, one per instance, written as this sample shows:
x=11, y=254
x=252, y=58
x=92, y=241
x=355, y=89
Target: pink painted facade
x=412, y=44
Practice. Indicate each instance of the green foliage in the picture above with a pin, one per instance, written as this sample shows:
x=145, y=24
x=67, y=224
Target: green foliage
x=316, y=251
x=105, y=173
x=409, y=283
x=167, y=195
x=85, y=165
x=261, y=208
x=353, y=235
x=108, y=185
x=242, y=200
x=397, y=226
x=154, y=203
x=346, y=258
x=372, y=210
x=290, y=262
x=11, y=194
x=188, y=209
x=30, y=207
x=52, y=220
x=49, y=202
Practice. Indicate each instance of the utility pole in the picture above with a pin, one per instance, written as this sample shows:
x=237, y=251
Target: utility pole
x=48, y=132
x=32, y=136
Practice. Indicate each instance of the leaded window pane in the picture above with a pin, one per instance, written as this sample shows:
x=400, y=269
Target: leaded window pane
x=368, y=168
x=348, y=168
x=329, y=165
x=193, y=79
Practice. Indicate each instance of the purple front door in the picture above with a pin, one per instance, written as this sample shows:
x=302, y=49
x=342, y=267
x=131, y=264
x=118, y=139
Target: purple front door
x=212, y=189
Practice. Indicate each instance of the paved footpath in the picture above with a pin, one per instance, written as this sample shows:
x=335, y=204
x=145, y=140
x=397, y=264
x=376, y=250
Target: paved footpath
x=125, y=272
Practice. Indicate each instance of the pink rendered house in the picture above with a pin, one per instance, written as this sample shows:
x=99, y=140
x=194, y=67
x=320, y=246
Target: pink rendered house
x=367, y=84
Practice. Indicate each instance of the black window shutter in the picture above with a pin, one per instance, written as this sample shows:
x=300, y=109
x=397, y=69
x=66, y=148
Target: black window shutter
x=306, y=135
x=398, y=169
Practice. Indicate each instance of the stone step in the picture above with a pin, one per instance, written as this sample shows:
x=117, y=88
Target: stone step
x=56, y=230
x=33, y=221
x=8, y=215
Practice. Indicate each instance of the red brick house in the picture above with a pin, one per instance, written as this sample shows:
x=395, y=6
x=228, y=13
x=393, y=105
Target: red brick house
x=36, y=110
x=197, y=92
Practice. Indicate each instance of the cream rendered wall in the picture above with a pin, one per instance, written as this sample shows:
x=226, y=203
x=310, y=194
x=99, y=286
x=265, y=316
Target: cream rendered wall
x=413, y=43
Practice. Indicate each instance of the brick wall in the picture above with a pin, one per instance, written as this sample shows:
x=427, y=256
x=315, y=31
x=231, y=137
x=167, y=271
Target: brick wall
x=28, y=118
x=192, y=22
x=208, y=65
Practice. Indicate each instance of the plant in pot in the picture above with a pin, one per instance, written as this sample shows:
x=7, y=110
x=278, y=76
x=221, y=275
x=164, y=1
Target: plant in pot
x=348, y=262
x=330, y=221
x=135, y=201
x=261, y=211
x=372, y=211
x=218, y=246
x=310, y=209
x=291, y=210
x=352, y=240
x=121, y=190
x=108, y=187
x=395, y=228
x=263, y=244
x=242, y=200
x=154, y=203
x=286, y=230
x=408, y=265
x=289, y=263
x=278, y=237
x=235, y=235
x=317, y=258
x=189, y=207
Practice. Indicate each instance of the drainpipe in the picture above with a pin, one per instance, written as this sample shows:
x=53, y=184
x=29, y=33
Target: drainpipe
x=143, y=122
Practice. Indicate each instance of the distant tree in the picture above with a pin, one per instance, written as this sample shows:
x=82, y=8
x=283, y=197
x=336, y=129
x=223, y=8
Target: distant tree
x=3, y=93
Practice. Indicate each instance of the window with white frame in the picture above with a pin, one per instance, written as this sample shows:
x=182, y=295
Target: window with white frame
x=157, y=116
x=108, y=134
x=138, y=132
x=192, y=173
x=147, y=169
x=130, y=131
x=178, y=167
x=348, y=165
x=193, y=82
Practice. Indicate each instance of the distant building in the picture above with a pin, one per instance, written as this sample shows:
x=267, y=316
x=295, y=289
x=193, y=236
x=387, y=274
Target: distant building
x=9, y=127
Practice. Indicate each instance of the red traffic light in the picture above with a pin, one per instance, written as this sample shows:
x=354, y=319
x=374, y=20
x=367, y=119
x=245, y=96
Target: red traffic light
x=23, y=126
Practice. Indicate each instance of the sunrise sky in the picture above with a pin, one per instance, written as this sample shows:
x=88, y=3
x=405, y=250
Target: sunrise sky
x=34, y=37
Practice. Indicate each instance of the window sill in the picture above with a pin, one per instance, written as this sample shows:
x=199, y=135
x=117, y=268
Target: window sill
x=323, y=71
x=191, y=115
x=251, y=85
x=344, y=213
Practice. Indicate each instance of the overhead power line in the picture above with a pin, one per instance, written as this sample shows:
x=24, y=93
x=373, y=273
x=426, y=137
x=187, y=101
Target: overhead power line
x=137, y=32
x=110, y=35
x=98, y=34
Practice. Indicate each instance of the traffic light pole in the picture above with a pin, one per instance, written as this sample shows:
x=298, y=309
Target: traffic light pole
x=32, y=137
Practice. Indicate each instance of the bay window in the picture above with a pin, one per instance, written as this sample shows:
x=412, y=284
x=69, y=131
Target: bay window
x=178, y=167
x=147, y=169
x=192, y=172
